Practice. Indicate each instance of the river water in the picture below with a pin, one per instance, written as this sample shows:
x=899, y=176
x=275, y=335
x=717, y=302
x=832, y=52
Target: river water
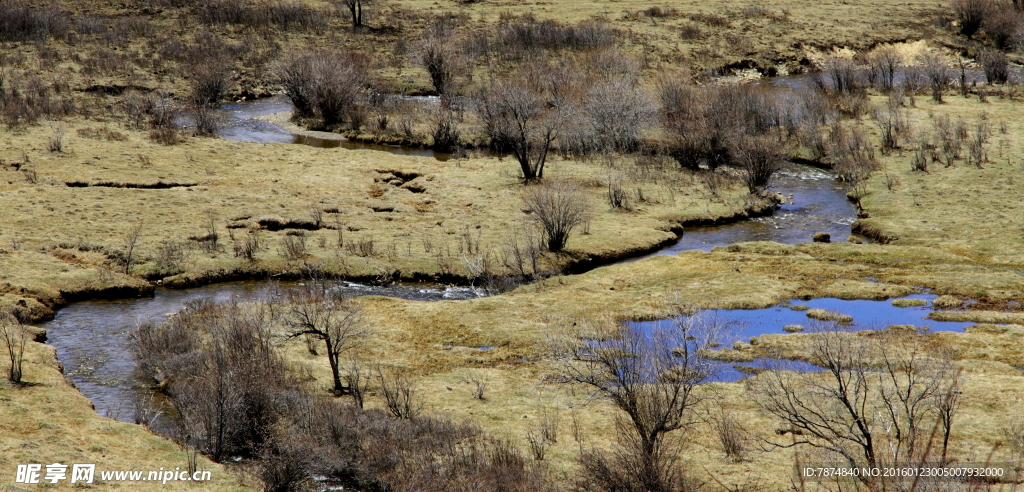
x=91, y=338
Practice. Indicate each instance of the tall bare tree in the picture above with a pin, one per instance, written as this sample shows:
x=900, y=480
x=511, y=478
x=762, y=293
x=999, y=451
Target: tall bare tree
x=880, y=400
x=521, y=116
x=315, y=309
x=651, y=375
x=443, y=59
x=355, y=9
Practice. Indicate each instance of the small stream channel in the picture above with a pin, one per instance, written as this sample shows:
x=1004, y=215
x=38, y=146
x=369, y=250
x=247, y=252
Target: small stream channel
x=91, y=337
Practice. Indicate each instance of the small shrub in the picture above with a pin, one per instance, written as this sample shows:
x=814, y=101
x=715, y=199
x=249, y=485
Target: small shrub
x=996, y=66
x=249, y=246
x=730, y=435
x=446, y=130
x=14, y=337
x=971, y=14
x=209, y=81
x=1004, y=25
x=936, y=70
x=166, y=136
x=399, y=394
x=324, y=84
x=558, y=207
x=56, y=140
x=294, y=246
x=20, y=22
x=760, y=158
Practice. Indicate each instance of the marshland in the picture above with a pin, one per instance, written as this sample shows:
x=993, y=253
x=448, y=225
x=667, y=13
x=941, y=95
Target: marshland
x=478, y=245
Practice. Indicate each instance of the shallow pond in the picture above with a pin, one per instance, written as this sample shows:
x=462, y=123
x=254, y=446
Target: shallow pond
x=91, y=337
x=742, y=324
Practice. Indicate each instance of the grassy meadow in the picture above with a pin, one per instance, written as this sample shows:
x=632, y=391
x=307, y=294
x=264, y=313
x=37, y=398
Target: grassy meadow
x=94, y=205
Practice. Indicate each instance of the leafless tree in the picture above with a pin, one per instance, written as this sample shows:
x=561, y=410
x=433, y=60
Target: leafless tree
x=317, y=310
x=759, y=158
x=520, y=116
x=129, y=242
x=443, y=59
x=618, y=110
x=878, y=400
x=399, y=393
x=14, y=337
x=324, y=84
x=558, y=207
x=649, y=375
x=355, y=9
x=936, y=70
x=885, y=61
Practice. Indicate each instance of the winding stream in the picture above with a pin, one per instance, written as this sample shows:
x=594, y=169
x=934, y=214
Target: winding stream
x=91, y=337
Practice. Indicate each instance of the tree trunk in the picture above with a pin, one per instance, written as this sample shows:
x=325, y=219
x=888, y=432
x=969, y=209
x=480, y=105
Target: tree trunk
x=332, y=357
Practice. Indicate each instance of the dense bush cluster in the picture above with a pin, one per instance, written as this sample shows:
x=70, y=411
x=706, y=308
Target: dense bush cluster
x=19, y=21
x=233, y=396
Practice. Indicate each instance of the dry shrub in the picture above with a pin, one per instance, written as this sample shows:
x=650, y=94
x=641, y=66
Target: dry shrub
x=166, y=136
x=971, y=14
x=324, y=84
x=708, y=124
x=14, y=338
x=558, y=207
x=996, y=66
x=23, y=22
x=446, y=131
x=442, y=57
x=399, y=393
x=24, y=100
x=1004, y=25
x=759, y=158
x=226, y=383
x=936, y=70
x=526, y=37
x=284, y=15
x=209, y=83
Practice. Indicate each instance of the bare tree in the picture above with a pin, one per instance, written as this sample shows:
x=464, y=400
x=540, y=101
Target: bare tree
x=399, y=393
x=759, y=158
x=317, y=310
x=15, y=338
x=618, y=110
x=650, y=376
x=877, y=401
x=355, y=9
x=520, y=116
x=129, y=242
x=443, y=60
x=936, y=69
x=971, y=14
x=885, y=61
x=558, y=207
x=324, y=84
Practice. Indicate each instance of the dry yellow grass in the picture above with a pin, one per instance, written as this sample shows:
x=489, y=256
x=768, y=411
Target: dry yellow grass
x=49, y=421
x=464, y=210
x=963, y=210
x=776, y=34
